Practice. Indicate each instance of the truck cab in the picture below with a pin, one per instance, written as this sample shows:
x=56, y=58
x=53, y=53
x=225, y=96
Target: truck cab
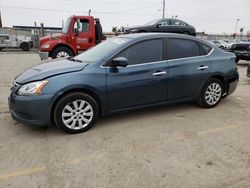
x=78, y=34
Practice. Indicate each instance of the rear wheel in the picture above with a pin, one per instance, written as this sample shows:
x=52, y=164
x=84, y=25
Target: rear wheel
x=61, y=52
x=25, y=46
x=76, y=112
x=186, y=33
x=211, y=93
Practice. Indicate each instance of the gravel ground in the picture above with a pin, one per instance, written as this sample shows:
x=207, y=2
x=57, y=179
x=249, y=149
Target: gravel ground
x=173, y=146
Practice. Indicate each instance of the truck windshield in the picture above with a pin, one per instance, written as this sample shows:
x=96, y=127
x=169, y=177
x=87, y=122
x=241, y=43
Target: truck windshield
x=66, y=25
x=103, y=50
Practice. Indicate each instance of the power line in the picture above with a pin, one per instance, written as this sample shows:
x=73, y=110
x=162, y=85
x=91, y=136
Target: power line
x=97, y=12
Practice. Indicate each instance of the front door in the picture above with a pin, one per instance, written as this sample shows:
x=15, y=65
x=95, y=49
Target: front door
x=143, y=81
x=83, y=34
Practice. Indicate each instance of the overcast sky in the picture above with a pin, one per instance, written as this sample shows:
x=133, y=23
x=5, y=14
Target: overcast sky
x=211, y=16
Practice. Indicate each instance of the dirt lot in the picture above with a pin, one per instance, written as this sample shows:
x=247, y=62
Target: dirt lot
x=173, y=146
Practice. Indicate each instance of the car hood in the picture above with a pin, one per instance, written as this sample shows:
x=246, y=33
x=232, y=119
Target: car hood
x=49, y=69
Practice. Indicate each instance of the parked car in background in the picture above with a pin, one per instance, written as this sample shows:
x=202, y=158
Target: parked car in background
x=117, y=75
x=169, y=25
x=241, y=50
x=9, y=41
x=221, y=44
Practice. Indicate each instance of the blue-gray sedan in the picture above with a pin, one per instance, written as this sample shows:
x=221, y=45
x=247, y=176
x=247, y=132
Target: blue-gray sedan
x=121, y=74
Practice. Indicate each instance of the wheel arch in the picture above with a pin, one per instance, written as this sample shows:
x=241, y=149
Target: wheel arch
x=62, y=45
x=73, y=90
x=219, y=77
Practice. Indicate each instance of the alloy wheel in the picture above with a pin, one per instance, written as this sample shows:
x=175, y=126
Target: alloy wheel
x=77, y=114
x=213, y=93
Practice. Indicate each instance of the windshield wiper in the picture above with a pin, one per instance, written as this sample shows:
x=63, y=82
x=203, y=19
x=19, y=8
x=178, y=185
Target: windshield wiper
x=73, y=59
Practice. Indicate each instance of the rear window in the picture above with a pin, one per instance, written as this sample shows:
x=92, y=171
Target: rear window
x=204, y=49
x=182, y=48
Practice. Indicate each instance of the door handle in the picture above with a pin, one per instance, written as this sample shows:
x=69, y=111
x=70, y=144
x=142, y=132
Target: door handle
x=202, y=67
x=159, y=73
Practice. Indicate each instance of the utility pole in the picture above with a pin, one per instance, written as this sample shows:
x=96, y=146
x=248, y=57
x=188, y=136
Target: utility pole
x=163, y=9
x=236, y=27
x=1, y=25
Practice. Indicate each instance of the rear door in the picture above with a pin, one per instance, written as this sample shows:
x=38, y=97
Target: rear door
x=143, y=81
x=189, y=67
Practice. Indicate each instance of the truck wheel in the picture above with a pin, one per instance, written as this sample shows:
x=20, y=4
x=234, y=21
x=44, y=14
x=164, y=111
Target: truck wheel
x=25, y=46
x=61, y=52
x=76, y=112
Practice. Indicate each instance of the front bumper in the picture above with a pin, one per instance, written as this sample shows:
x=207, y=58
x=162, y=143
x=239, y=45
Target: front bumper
x=32, y=110
x=43, y=55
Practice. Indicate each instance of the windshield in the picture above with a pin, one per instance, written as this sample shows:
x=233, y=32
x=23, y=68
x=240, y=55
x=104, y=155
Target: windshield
x=152, y=22
x=103, y=50
x=66, y=25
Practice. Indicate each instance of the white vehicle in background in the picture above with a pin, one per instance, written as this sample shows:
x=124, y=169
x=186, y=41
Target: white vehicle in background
x=223, y=44
x=9, y=41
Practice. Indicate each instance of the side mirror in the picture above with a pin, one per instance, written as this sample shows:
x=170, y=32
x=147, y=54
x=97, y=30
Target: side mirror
x=76, y=32
x=120, y=62
x=158, y=25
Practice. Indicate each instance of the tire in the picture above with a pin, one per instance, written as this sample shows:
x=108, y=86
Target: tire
x=74, y=106
x=25, y=46
x=237, y=60
x=1, y=49
x=61, y=52
x=186, y=33
x=211, y=93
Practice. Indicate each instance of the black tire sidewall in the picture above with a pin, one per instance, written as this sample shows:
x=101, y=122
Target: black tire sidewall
x=67, y=99
x=202, y=101
x=61, y=49
x=25, y=47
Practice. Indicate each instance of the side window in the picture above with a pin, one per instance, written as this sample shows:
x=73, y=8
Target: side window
x=81, y=26
x=178, y=23
x=164, y=23
x=144, y=52
x=182, y=48
x=204, y=49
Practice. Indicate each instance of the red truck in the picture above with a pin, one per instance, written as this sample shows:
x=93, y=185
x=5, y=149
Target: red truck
x=78, y=34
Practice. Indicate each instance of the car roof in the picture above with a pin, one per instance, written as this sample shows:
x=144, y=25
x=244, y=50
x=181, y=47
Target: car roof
x=143, y=36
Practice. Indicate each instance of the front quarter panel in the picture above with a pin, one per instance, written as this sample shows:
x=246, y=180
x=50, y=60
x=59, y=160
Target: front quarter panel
x=91, y=78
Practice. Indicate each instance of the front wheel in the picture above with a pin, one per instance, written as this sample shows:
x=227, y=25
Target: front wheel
x=76, y=112
x=211, y=93
x=61, y=52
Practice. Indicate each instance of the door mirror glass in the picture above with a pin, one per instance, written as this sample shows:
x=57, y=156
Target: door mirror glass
x=120, y=62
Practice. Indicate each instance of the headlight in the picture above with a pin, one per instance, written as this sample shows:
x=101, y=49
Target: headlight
x=133, y=30
x=33, y=88
x=45, y=46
